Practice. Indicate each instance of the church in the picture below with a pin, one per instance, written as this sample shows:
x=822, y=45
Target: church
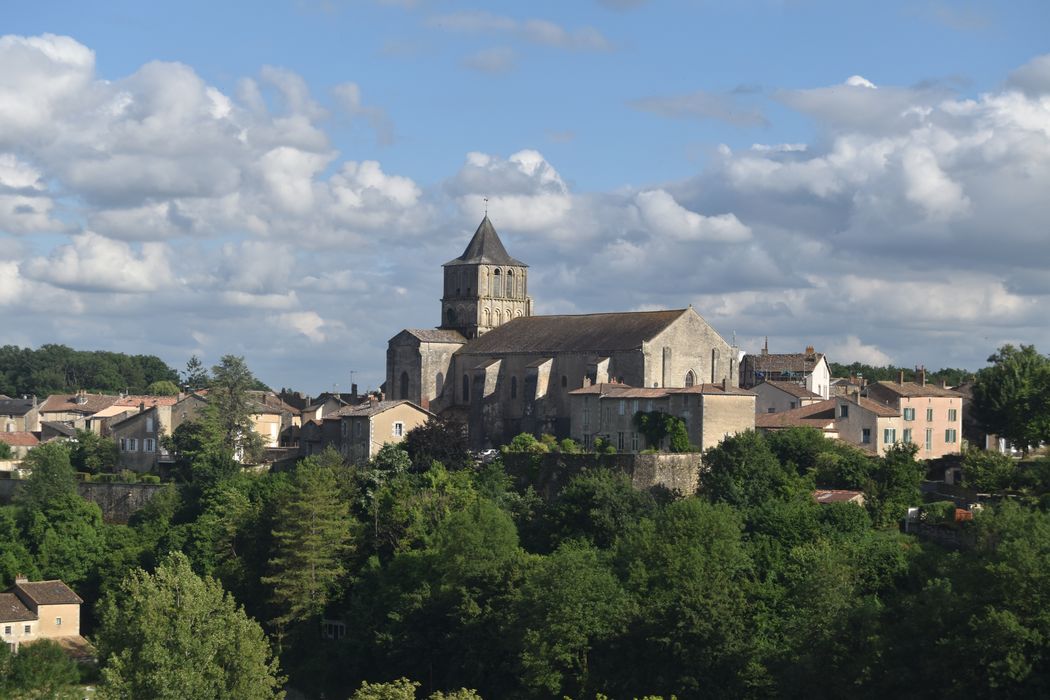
x=495, y=366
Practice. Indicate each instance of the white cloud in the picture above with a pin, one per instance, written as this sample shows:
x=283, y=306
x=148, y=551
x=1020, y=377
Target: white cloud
x=664, y=216
x=95, y=263
x=536, y=31
x=1033, y=77
x=853, y=350
x=307, y=323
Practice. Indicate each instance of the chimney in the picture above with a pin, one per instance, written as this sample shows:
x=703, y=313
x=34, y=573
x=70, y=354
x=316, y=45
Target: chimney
x=810, y=351
x=353, y=391
x=21, y=578
x=944, y=383
x=723, y=384
x=900, y=377
x=920, y=375
x=765, y=348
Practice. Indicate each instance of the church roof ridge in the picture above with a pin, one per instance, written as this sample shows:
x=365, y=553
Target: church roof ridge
x=485, y=247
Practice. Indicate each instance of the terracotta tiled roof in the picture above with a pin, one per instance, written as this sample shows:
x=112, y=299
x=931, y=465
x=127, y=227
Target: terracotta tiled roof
x=598, y=334
x=19, y=438
x=268, y=402
x=913, y=389
x=879, y=409
x=792, y=388
x=623, y=391
x=785, y=362
x=436, y=335
x=14, y=610
x=67, y=403
x=816, y=415
x=47, y=592
x=150, y=401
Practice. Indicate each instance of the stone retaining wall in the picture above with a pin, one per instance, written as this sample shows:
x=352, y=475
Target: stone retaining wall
x=548, y=473
x=117, y=501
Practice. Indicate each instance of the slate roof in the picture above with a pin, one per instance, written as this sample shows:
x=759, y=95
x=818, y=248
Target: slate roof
x=485, y=247
x=792, y=388
x=368, y=410
x=786, y=362
x=19, y=438
x=14, y=610
x=59, y=427
x=15, y=407
x=436, y=335
x=52, y=592
x=913, y=389
x=65, y=403
x=598, y=334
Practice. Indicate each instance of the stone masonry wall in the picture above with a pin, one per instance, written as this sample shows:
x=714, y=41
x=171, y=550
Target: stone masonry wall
x=549, y=473
x=117, y=501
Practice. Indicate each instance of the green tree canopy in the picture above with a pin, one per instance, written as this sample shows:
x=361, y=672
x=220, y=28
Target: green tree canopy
x=92, y=453
x=1012, y=397
x=742, y=471
x=164, y=387
x=40, y=670
x=174, y=635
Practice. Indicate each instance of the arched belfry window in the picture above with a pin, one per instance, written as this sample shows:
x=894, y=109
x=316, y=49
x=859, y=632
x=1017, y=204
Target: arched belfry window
x=690, y=378
x=403, y=392
x=497, y=284
x=439, y=383
x=466, y=389
x=450, y=316
x=513, y=387
x=510, y=284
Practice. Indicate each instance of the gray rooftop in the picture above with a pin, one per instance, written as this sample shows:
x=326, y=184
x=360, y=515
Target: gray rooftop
x=485, y=247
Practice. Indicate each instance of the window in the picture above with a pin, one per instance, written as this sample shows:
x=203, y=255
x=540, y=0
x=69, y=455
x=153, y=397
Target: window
x=690, y=378
x=907, y=435
x=399, y=429
x=343, y=429
x=634, y=406
x=792, y=404
x=513, y=387
x=909, y=414
x=357, y=428
x=27, y=629
x=949, y=436
x=619, y=441
x=466, y=389
x=953, y=415
x=510, y=284
x=58, y=622
x=865, y=436
x=623, y=407
x=634, y=442
x=843, y=411
x=123, y=445
x=149, y=445
x=889, y=436
x=149, y=424
x=497, y=284
x=929, y=438
x=7, y=629
x=439, y=382
x=133, y=444
x=771, y=410
x=929, y=415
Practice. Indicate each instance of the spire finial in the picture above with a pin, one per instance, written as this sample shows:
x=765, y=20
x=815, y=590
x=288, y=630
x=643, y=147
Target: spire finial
x=486, y=205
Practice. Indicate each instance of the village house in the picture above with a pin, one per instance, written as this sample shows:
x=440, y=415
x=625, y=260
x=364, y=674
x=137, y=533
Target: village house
x=931, y=416
x=74, y=409
x=819, y=415
x=710, y=413
x=20, y=442
x=365, y=428
x=138, y=438
x=38, y=610
x=773, y=396
x=19, y=415
x=866, y=424
x=809, y=368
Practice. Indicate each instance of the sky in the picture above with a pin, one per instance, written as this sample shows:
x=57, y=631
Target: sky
x=283, y=180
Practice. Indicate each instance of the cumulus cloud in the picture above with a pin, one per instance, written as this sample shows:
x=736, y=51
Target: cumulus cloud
x=853, y=350
x=307, y=323
x=95, y=263
x=667, y=217
x=495, y=61
x=1033, y=78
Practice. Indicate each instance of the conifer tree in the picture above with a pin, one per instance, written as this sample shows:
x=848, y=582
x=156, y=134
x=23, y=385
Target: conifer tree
x=310, y=544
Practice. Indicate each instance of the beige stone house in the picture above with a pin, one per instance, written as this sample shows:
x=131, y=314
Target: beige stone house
x=809, y=368
x=20, y=442
x=819, y=415
x=503, y=371
x=931, y=416
x=868, y=424
x=138, y=438
x=75, y=409
x=19, y=415
x=710, y=412
x=775, y=396
x=364, y=429
x=38, y=610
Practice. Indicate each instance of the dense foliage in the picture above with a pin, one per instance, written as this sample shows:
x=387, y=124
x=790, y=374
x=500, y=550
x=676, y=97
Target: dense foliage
x=452, y=579
x=56, y=369
x=1012, y=397
x=952, y=376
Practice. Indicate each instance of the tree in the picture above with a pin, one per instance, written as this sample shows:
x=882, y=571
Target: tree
x=5, y=451
x=1012, y=397
x=40, y=669
x=438, y=440
x=894, y=484
x=988, y=471
x=164, y=387
x=311, y=542
x=196, y=375
x=93, y=453
x=656, y=425
x=51, y=476
x=596, y=505
x=231, y=407
x=743, y=472
x=173, y=635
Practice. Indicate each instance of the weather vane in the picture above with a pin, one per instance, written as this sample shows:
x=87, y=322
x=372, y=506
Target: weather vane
x=486, y=205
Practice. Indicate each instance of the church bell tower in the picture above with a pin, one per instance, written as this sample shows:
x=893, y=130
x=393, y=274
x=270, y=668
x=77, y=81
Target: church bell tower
x=484, y=287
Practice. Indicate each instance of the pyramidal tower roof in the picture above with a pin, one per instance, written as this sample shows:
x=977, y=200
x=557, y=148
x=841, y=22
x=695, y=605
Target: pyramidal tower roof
x=485, y=247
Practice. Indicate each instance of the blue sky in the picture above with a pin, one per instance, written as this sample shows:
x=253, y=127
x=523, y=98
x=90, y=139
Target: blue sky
x=283, y=180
